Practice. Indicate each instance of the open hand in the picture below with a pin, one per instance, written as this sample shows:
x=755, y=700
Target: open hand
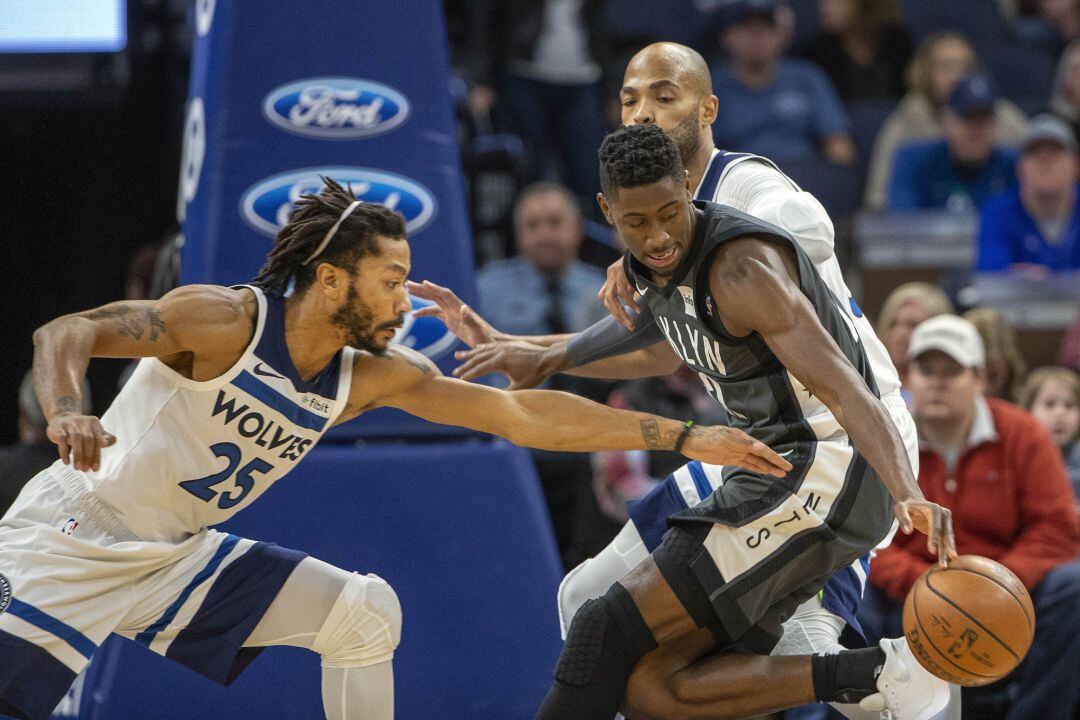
x=520, y=361
x=722, y=445
x=79, y=439
x=617, y=294
x=458, y=317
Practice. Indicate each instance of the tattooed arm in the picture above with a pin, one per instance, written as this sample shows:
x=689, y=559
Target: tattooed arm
x=190, y=323
x=542, y=418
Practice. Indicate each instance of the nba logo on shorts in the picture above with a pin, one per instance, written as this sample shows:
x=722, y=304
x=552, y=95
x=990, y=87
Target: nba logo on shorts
x=5, y=593
x=69, y=526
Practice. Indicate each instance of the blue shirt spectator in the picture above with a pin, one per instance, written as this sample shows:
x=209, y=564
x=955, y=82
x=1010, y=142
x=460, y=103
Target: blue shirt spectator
x=545, y=290
x=517, y=299
x=772, y=106
x=925, y=177
x=1009, y=235
x=788, y=119
x=965, y=168
x=1037, y=222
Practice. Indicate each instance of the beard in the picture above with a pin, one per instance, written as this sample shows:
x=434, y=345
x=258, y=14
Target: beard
x=687, y=137
x=358, y=322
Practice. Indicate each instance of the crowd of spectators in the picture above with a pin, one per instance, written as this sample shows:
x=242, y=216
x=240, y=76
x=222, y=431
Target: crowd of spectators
x=918, y=107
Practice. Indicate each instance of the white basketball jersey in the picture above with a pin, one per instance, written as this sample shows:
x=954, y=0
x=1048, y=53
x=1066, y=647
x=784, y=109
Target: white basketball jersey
x=763, y=205
x=191, y=454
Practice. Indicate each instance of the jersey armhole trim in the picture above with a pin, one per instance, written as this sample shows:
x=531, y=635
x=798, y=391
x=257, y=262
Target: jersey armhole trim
x=236, y=367
x=341, y=401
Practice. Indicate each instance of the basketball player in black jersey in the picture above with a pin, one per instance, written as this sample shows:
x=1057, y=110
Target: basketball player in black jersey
x=741, y=302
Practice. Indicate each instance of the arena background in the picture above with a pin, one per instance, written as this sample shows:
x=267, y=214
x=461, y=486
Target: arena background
x=150, y=142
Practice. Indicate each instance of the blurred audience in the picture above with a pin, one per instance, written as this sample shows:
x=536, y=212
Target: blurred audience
x=624, y=476
x=961, y=171
x=863, y=48
x=545, y=289
x=784, y=109
x=542, y=60
x=1052, y=396
x=904, y=309
x=996, y=468
x=1065, y=99
x=938, y=64
x=1034, y=227
x=1069, y=352
x=1061, y=19
x=34, y=451
x=1005, y=367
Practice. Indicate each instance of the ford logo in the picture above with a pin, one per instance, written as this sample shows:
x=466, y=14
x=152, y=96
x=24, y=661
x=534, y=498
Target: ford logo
x=426, y=335
x=267, y=204
x=336, y=108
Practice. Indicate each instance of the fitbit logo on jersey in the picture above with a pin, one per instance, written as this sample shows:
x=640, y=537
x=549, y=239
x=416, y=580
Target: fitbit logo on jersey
x=267, y=204
x=336, y=108
x=428, y=336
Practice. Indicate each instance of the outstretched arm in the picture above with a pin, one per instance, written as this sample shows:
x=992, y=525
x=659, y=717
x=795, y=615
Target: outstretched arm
x=545, y=419
x=755, y=286
x=187, y=320
x=605, y=350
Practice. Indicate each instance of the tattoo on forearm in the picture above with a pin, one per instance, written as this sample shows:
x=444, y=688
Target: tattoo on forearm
x=66, y=403
x=132, y=321
x=651, y=432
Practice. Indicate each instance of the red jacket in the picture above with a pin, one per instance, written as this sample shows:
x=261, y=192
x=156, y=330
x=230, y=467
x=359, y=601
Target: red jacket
x=1012, y=502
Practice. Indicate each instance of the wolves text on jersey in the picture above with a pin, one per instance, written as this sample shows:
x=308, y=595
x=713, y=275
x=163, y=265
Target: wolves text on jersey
x=253, y=424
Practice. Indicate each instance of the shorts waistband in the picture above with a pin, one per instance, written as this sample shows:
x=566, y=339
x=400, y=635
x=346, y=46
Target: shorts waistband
x=76, y=487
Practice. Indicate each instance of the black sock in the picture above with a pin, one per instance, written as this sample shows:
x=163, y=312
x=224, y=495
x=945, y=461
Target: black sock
x=606, y=639
x=848, y=676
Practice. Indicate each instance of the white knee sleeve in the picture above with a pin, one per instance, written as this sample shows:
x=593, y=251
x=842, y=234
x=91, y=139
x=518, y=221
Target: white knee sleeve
x=364, y=626
x=592, y=578
x=810, y=630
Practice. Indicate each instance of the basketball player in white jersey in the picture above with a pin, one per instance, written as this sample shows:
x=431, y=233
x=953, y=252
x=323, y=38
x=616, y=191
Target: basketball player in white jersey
x=236, y=386
x=668, y=85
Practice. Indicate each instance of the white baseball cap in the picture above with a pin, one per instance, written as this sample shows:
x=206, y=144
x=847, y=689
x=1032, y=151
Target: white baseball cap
x=952, y=335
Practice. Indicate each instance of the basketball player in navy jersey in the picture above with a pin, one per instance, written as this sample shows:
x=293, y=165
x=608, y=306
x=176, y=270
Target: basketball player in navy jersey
x=235, y=387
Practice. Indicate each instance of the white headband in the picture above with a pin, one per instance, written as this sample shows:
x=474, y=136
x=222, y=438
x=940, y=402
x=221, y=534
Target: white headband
x=330, y=233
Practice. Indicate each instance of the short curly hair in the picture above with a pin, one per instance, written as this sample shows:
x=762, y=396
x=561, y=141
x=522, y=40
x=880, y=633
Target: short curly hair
x=637, y=155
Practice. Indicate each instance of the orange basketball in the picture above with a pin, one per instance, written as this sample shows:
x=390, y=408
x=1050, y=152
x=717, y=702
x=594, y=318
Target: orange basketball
x=970, y=624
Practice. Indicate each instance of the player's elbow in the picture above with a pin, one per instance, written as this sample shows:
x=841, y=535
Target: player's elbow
x=521, y=423
x=54, y=328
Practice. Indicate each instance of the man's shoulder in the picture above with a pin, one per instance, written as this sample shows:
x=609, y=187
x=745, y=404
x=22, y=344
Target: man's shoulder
x=924, y=150
x=505, y=270
x=1013, y=421
x=585, y=273
x=800, y=70
x=1004, y=205
x=1005, y=156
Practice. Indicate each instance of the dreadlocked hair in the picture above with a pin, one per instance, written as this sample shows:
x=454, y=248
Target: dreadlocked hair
x=355, y=238
x=637, y=155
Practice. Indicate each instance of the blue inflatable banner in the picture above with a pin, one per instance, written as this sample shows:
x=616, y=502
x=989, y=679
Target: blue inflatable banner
x=282, y=93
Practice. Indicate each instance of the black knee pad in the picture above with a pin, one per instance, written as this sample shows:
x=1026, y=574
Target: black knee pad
x=606, y=639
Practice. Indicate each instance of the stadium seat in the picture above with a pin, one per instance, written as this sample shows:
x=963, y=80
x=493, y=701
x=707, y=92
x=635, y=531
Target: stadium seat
x=978, y=20
x=459, y=530
x=1024, y=73
x=867, y=117
x=836, y=186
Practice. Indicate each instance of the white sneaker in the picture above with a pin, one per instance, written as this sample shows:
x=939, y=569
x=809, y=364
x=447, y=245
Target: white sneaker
x=906, y=690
